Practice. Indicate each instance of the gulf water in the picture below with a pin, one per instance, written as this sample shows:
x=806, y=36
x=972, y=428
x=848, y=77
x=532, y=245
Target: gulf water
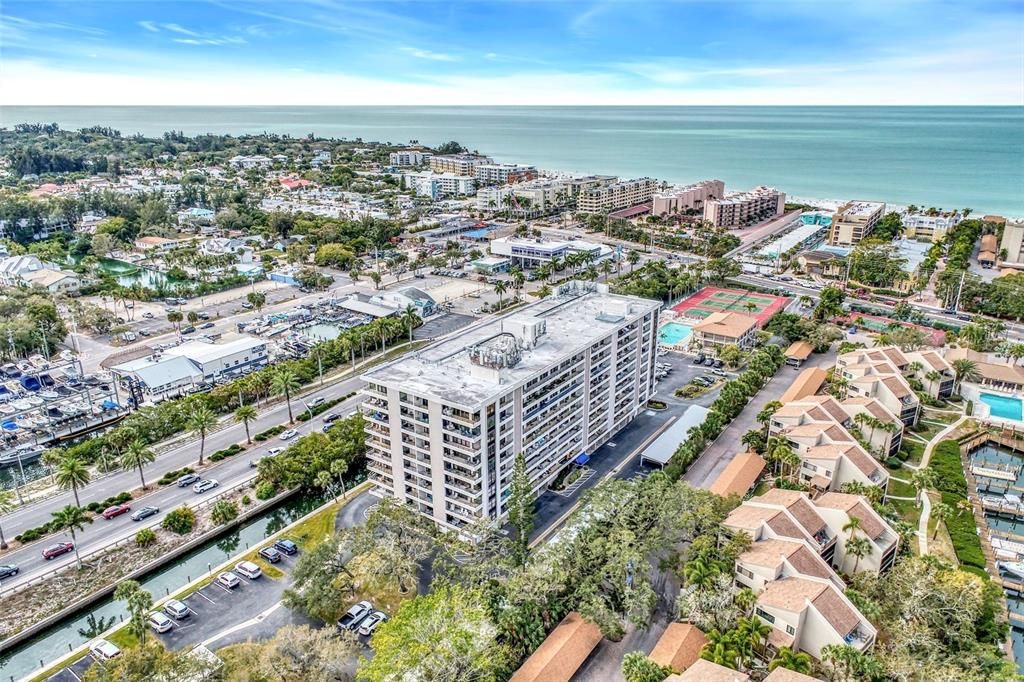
x=951, y=157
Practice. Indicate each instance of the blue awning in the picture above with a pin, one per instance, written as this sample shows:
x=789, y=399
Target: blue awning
x=582, y=458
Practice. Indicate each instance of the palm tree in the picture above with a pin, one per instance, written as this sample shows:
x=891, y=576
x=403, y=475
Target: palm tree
x=633, y=258
x=245, y=414
x=175, y=317
x=965, y=370
x=72, y=473
x=200, y=421
x=922, y=479
x=544, y=292
x=698, y=572
x=137, y=455
x=607, y=267
x=720, y=649
x=6, y=505
x=852, y=526
x=765, y=415
x=858, y=548
x=942, y=513
x=71, y=519
x=285, y=382
x=797, y=661
x=193, y=317
x=500, y=288
x=411, y=318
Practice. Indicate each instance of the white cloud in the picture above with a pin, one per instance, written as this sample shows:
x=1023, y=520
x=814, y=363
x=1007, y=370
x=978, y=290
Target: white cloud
x=427, y=54
x=149, y=26
x=176, y=28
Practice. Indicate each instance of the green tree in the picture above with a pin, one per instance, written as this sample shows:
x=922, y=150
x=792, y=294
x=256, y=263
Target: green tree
x=139, y=602
x=520, y=509
x=443, y=636
x=200, y=421
x=830, y=303
x=246, y=414
x=136, y=456
x=299, y=652
x=942, y=513
x=411, y=318
x=965, y=370
x=70, y=519
x=72, y=473
x=500, y=288
x=797, y=661
x=637, y=667
x=285, y=382
x=7, y=505
x=181, y=521
x=858, y=548
x=145, y=537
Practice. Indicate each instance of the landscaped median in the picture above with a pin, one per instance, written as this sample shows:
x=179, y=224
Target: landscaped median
x=307, y=532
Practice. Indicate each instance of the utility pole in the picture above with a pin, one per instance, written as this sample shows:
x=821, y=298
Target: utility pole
x=959, y=291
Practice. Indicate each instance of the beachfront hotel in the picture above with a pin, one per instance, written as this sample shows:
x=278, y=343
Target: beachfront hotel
x=458, y=164
x=554, y=380
x=616, y=196
x=854, y=221
x=679, y=199
x=740, y=209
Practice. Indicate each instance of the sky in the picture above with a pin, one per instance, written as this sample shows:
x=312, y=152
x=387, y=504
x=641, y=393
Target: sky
x=562, y=52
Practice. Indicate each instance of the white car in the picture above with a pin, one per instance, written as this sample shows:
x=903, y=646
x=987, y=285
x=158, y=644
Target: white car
x=203, y=486
x=176, y=609
x=229, y=580
x=274, y=451
x=102, y=650
x=160, y=622
x=371, y=622
x=317, y=402
x=289, y=434
x=248, y=569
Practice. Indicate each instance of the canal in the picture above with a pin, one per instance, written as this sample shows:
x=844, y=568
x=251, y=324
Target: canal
x=87, y=624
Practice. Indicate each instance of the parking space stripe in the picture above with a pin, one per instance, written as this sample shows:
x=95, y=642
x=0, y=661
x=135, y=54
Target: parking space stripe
x=206, y=598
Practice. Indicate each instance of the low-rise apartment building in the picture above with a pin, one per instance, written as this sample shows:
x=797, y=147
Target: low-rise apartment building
x=854, y=221
x=553, y=380
x=680, y=199
x=532, y=252
x=619, y=195
x=879, y=373
x=524, y=200
x=769, y=560
x=409, y=157
x=458, y=164
x=437, y=185
x=503, y=173
x=1012, y=245
x=931, y=369
x=741, y=209
x=722, y=329
x=929, y=227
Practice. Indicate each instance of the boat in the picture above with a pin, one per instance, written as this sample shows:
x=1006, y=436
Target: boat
x=1013, y=569
x=23, y=453
x=1008, y=549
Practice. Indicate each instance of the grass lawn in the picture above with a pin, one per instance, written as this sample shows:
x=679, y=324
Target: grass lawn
x=941, y=545
x=381, y=591
x=908, y=512
x=898, y=488
x=316, y=528
x=124, y=638
x=914, y=449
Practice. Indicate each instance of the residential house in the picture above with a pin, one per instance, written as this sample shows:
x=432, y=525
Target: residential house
x=993, y=371
x=933, y=371
x=15, y=269
x=54, y=280
x=679, y=646
x=838, y=509
x=190, y=217
x=769, y=560
x=929, y=227
x=987, y=251
x=223, y=246
x=722, y=329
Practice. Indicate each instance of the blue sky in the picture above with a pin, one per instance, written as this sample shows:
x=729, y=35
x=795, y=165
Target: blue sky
x=495, y=52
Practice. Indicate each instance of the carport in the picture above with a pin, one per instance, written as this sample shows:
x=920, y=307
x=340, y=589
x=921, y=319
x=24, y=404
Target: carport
x=661, y=450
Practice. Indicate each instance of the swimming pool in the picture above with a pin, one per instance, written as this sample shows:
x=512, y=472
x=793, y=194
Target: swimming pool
x=673, y=333
x=1003, y=406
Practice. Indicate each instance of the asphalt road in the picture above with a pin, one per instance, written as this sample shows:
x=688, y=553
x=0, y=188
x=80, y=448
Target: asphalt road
x=227, y=472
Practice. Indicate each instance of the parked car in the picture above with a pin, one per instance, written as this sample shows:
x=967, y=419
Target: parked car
x=116, y=510
x=700, y=359
x=102, y=650
x=248, y=569
x=7, y=570
x=286, y=546
x=177, y=610
x=145, y=513
x=718, y=372
x=289, y=434
x=145, y=332
x=331, y=417
x=58, y=549
x=203, y=315
x=270, y=554
x=355, y=615
x=160, y=622
x=203, y=486
x=708, y=362
x=206, y=325
x=147, y=315
x=247, y=305
x=371, y=622
x=718, y=363
x=188, y=479
x=188, y=330
x=229, y=580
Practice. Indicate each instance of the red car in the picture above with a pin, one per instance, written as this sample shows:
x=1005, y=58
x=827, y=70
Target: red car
x=116, y=510
x=58, y=549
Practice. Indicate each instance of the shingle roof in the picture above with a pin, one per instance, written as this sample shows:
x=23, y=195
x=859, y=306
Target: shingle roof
x=739, y=475
x=732, y=325
x=807, y=383
x=560, y=655
x=786, y=675
x=706, y=671
x=794, y=594
x=801, y=350
x=679, y=646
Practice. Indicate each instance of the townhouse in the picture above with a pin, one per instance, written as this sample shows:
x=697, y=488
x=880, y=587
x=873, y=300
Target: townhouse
x=725, y=328
x=879, y=373
x=933, y=371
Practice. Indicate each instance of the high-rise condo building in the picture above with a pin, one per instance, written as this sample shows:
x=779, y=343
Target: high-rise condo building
x=618, y=195
x=675, y=200
x=459, y=164
x=554, y=380
x=740, y=209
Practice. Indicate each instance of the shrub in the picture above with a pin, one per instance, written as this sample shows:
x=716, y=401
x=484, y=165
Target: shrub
x=969, y=409
x=265, y=490
x=269, y=433
x=894, y=463
x=119, y=498
x=174, y=475
x=319, y=409
x=233, y=449
x=246, y=500
x=145, y=537
x=948, y=468
x=223, y=512
x=181, y=521
x=964, y=535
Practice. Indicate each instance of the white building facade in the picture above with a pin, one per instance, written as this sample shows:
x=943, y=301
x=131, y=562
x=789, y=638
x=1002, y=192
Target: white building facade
x=554, y=380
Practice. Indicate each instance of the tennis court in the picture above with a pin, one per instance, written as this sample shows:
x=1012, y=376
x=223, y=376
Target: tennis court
x=715, y=300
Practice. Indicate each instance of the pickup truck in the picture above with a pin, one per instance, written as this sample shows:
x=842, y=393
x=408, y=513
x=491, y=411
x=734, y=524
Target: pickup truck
x=355, y=615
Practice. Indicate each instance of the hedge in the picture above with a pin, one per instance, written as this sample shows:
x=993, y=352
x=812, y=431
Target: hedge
x=964, y=535
x=173, y=475
x=320, y=409
x=270, y=433
x=232, y=449
x=120, y=498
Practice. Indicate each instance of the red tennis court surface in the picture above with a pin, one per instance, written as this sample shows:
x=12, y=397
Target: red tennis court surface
x=714, y=300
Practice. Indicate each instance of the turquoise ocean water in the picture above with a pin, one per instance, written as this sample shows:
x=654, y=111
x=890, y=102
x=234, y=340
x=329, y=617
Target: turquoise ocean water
x=931, y=156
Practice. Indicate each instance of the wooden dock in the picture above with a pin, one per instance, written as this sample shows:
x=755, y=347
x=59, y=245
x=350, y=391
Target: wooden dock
x=1012, y=586
x=1011, y=510
x=1016, y=619
x=1008, y=475
x=1006, y=535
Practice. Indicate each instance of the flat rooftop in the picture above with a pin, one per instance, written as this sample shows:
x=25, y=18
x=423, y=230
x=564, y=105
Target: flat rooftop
x=860, y=208
x=576, y=316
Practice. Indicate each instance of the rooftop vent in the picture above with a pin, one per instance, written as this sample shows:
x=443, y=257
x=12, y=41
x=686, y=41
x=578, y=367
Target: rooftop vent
x=501, y=352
